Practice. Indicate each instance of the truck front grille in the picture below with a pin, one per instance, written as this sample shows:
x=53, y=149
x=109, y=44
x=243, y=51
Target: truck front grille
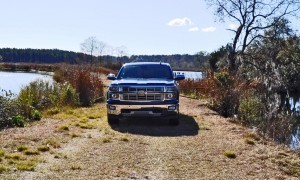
x=142, y=93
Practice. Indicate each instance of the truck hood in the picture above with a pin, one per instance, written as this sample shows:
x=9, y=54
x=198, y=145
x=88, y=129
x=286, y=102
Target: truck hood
x=143, y=82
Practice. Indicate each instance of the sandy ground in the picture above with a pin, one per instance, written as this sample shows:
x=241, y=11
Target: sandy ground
x=151, y=149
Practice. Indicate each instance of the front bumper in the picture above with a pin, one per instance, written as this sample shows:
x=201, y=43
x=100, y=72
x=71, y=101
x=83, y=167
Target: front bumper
x=164, y=110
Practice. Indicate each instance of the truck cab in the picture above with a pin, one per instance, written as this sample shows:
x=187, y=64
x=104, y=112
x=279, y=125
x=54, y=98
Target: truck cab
x=144, y=89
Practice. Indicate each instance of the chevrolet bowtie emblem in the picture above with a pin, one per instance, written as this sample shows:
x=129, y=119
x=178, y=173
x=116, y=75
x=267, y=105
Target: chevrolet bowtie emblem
x=141, y=93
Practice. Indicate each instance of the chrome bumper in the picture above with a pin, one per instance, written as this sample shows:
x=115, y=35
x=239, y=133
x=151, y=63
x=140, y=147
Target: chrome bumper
x=143, y=110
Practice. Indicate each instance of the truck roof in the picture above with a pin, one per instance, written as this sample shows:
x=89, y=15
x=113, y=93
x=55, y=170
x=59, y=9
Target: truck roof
x=146, y=63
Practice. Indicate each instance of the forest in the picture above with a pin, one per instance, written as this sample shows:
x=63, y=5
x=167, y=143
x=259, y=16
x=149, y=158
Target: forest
x=50, y=56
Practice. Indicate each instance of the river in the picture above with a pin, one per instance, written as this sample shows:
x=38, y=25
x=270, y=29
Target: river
x=14, y=81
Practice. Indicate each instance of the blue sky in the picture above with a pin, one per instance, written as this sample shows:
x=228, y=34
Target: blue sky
x=142, y=26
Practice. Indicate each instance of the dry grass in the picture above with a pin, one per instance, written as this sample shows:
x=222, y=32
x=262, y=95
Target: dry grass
x=145, y=149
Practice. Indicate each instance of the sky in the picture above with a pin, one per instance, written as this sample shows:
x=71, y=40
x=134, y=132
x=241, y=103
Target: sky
x=144, y=27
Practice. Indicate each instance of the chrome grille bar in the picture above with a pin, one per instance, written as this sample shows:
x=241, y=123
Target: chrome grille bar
x=137, y=93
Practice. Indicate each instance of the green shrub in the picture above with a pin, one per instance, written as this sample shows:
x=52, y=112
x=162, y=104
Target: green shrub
x=18, y=121
x=36, y=115
x=8, y=109
x=40, y=95
x=251, y=110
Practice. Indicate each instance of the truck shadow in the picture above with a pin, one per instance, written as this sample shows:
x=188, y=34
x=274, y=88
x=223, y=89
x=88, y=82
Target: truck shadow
x=158, y=126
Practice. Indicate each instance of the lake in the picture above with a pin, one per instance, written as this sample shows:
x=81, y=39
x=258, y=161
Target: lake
x=14, y=81
x=194, y=75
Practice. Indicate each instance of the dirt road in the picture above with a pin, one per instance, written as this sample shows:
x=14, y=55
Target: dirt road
x=151, y=149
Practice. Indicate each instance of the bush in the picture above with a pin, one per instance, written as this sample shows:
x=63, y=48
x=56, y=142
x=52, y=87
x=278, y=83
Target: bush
x=85, y=79
x=40, y=95
x=251, y=110
x=18, y=121
x=36, y=115
x=8, y=109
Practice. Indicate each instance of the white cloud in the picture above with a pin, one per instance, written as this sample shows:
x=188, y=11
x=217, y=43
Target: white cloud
x=233, y=26
x=193, y=29
x=209, y=29
x=180, y=22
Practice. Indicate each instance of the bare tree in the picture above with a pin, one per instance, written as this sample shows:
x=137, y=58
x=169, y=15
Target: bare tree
x=252, y=18
x=90, y=46
x=102, y=47
x=121, y=51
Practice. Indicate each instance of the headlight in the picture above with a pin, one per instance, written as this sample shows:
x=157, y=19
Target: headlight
x=114, y=96
x=114, y=88
x=171, y=89
x=170, y=95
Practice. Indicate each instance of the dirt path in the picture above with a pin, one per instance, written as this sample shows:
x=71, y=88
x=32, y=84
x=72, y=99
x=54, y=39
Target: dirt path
x=143, y=149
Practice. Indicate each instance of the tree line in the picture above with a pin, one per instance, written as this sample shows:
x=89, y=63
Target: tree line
x=50, y=56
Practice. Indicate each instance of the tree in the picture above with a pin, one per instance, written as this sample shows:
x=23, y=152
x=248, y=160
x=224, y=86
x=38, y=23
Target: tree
x=121, y=51
x=100, y=51
x=252, y=18
x=90, y=46
x=275, y=63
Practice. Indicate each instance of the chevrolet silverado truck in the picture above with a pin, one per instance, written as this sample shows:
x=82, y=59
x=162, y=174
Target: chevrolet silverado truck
x=143, y=89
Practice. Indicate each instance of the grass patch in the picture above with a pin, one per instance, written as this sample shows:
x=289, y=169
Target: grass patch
x=53, y=111
x=252, y=135
x=22, y=148
x=250, y=141
x=43, y=148
x=85, y=126
x=52, y=142
x=84, y=120
x=26, y=166
x=31, y=152
x=125, y=139
x=74, y=135
x=76, y=167
x=3, y=168
x=106, y=140
x=2, y=152
x=63, y=128
x=230, y=154
x=13, y=156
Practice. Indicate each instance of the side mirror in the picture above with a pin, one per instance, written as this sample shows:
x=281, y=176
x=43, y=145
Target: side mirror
x=111, y=76
x=179, y=77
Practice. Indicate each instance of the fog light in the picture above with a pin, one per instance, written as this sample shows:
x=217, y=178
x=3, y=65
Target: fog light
x=170, y=96
x=171, y=108
x=114, y=96
x=112, y=108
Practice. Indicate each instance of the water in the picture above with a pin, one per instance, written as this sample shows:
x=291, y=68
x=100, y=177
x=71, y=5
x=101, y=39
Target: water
x=14, y=81
x=194, y=75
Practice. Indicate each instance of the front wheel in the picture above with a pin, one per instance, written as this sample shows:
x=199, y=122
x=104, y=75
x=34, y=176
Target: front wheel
x=112, y=120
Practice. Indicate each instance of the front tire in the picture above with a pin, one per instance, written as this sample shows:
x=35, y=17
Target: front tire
x=112, y=120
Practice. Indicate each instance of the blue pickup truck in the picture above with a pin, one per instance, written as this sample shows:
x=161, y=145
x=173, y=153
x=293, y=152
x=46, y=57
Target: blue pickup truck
x=144, y=89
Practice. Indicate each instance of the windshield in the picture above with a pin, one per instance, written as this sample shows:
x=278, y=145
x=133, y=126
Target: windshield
x=146, y=71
